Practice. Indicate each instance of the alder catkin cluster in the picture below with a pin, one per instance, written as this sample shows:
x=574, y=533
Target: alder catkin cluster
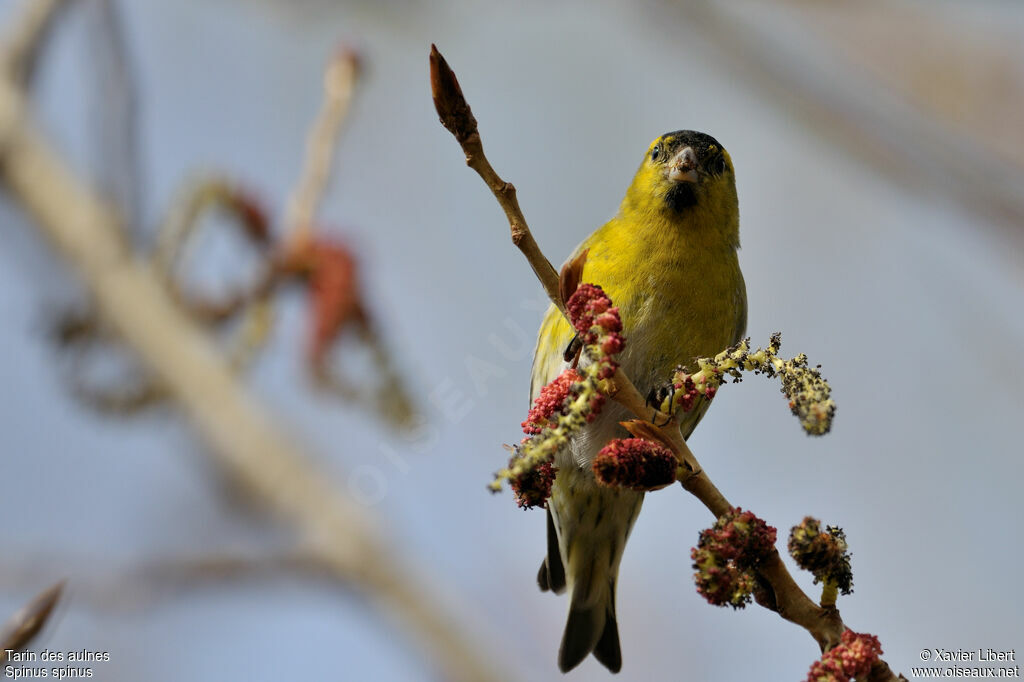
x=727, y=555
x=850, y=660
x=823, y=553
x=568, y=403
x=810, y=396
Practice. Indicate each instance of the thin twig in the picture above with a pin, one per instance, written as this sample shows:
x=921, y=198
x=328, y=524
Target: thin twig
x=339, y=82
x=102, y=586
x=790, y=601
x=112, y=110
x=26, y=37
x=457, y=117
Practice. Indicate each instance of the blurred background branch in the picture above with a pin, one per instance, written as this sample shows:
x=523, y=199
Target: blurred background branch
x=244, y=437
x=920, y=99
x=339, y=82
x=26, y=37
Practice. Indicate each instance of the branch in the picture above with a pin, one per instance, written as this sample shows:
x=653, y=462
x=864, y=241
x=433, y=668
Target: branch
x=23, y=42
x=243, y=437
x=787, y=599
x=457, y=117
x=102, y=586
x=299, y=249
x=339, y=82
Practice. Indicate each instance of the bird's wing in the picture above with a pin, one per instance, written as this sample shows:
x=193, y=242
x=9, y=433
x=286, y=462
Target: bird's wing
x=553, y=337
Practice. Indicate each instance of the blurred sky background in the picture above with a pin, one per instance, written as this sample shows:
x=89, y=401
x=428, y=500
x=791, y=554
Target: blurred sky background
x=879, y=154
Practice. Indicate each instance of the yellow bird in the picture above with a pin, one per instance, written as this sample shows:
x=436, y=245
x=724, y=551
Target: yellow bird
x=668, y=261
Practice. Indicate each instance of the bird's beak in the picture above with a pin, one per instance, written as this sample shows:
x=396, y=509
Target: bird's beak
x=683, y=168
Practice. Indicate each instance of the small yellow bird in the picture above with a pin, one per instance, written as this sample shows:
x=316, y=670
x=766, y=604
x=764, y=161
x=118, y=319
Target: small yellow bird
x=668, y=261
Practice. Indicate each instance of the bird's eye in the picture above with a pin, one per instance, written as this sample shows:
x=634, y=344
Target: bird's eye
x=655, y=153
x=718, y=165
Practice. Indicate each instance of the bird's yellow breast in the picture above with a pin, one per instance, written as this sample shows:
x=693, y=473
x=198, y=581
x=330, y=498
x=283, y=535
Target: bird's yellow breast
x=680, y=294
x=679, y=291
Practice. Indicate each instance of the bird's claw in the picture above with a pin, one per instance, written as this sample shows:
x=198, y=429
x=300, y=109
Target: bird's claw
x=656, y=398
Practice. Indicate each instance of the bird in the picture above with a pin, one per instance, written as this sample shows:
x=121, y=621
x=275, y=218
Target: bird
x=668, y=260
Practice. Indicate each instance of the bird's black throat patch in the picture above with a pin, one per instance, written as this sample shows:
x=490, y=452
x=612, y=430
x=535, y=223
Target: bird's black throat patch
x=681, y=196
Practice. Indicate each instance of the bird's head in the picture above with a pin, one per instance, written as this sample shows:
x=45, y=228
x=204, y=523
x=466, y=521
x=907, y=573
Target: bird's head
x=687, y=175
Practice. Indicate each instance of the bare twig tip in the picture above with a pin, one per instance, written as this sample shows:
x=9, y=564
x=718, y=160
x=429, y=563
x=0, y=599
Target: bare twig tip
x=352, y=56
x=29, y=621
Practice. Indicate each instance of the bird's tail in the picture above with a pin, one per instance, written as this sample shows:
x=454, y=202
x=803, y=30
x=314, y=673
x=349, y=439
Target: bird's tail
x=592, y=526
x=592, y=628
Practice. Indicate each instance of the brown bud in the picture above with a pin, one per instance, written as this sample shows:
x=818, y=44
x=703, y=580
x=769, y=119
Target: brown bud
x=449, y=101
